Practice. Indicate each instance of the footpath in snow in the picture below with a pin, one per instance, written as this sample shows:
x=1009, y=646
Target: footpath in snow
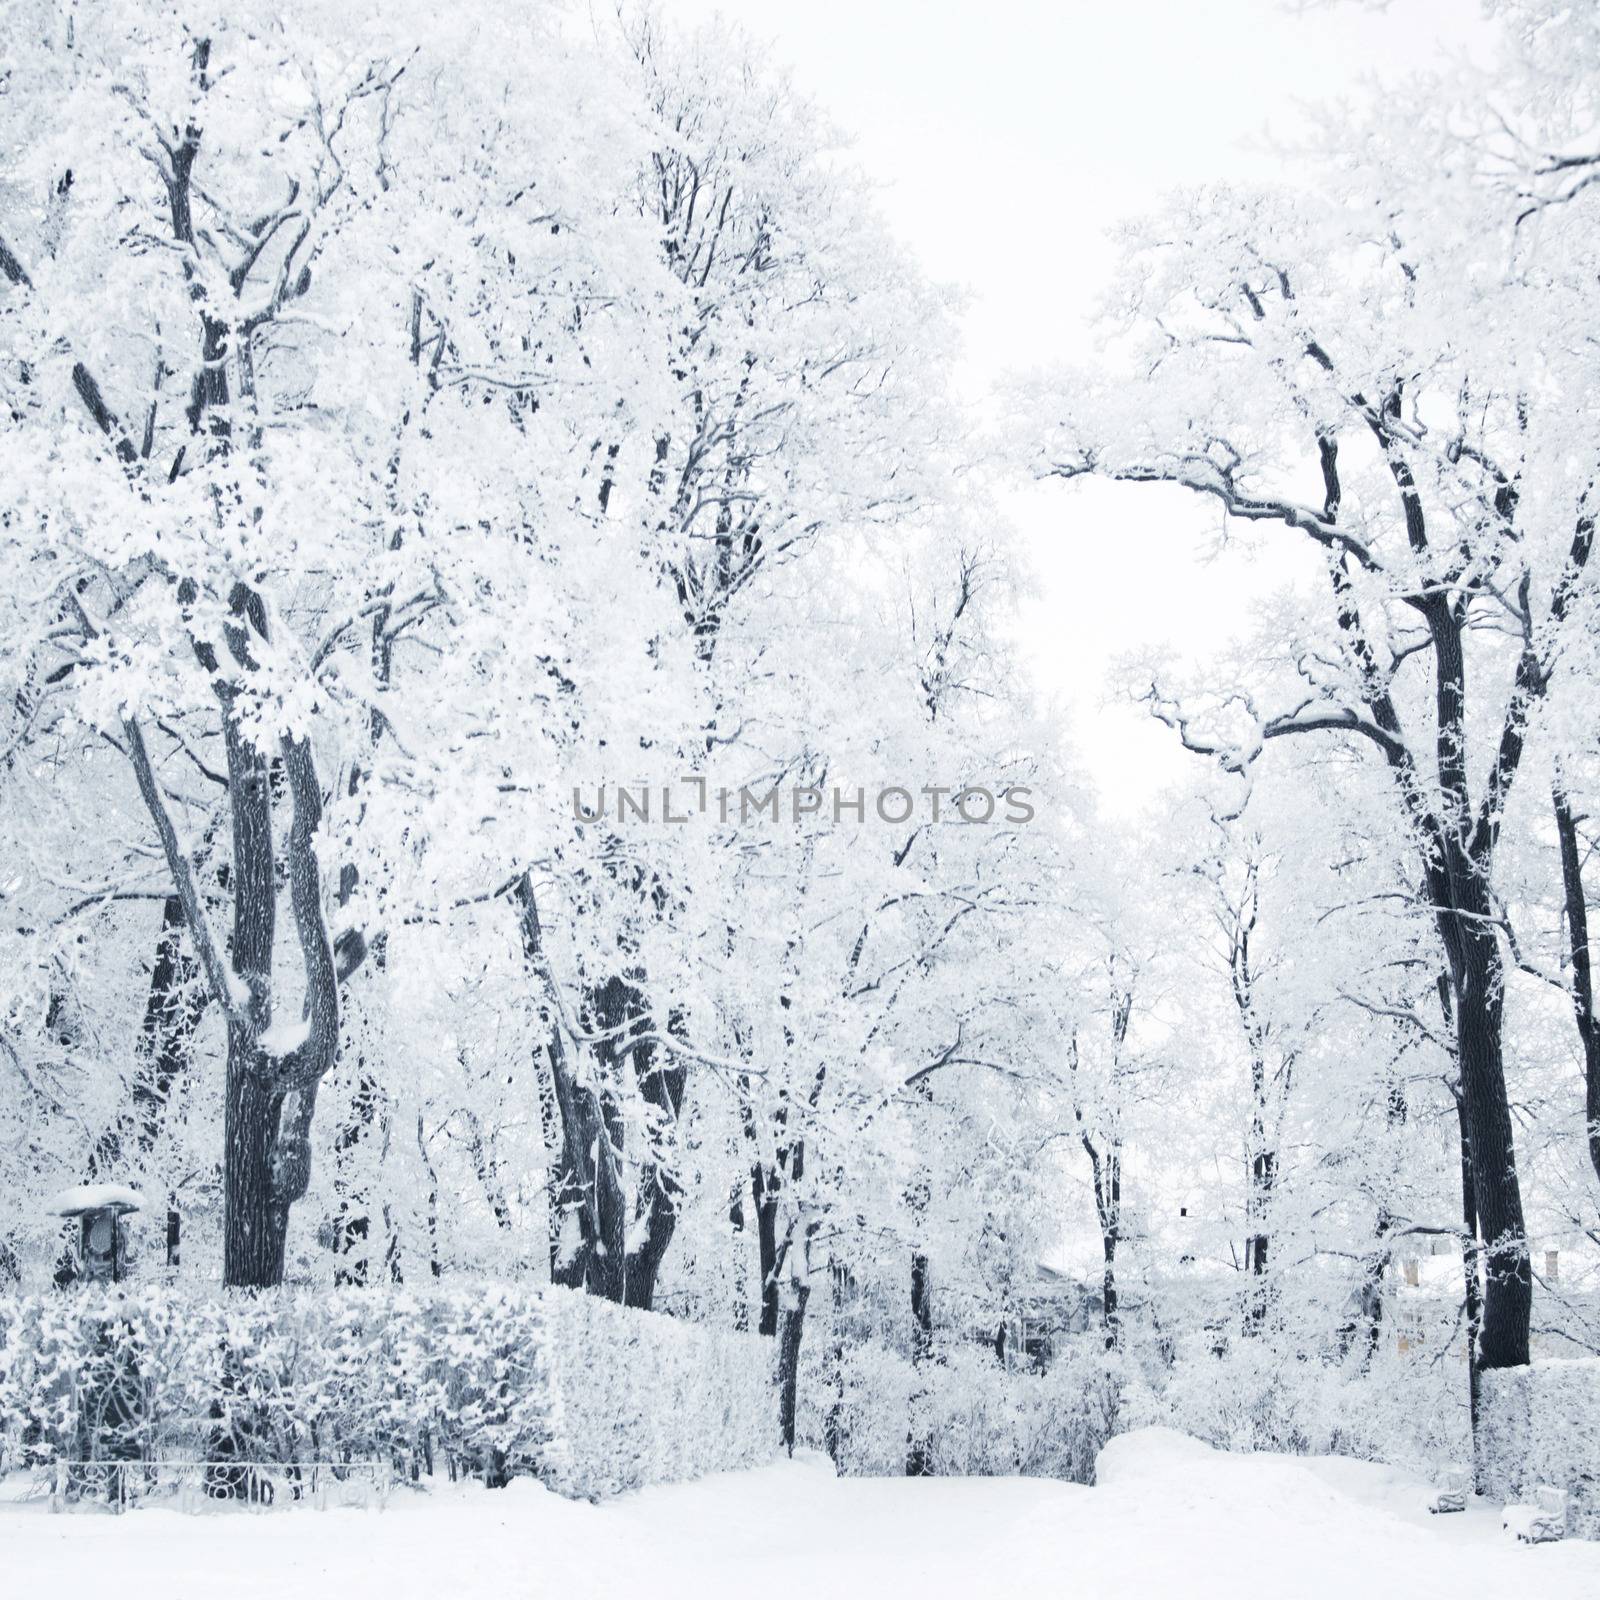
x=1170, y=1517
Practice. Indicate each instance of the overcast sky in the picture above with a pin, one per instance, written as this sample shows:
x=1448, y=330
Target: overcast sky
x=1007, y=136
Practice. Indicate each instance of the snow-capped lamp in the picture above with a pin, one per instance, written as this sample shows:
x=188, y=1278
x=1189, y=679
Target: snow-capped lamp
x=102, y=1231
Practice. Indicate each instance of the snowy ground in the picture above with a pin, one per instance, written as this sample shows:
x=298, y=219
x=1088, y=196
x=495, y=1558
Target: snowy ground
x=1169, y=1518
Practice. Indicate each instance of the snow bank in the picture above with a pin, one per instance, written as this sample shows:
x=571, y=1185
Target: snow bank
x=1541, y=1424
x=1164, y=1466
x=496, y=1381
x=1150, y=1454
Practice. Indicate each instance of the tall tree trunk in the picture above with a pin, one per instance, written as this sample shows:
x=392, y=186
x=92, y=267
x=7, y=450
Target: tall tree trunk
x=1108, y=1286
x=590, y=1179
x=833, y=1423
x=1243, y=914
x=661, y=1079
x=268, y=1099
x=435, y=1265
x=1470, y=1254
x=918, y=1462
x=1369, y=1292
x=1577, y=917
x=794, y=1260
x=791, y=1324
x=583, y=1180
x=1263, y=1176
x=764, y=1184
x=1478, y=978
x=556, y=1173
x=172, y=1013
x=255, y=1223
x=1106, y=1170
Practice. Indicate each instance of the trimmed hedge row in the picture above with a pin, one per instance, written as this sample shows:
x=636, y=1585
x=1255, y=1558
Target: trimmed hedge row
x=1541, y=1424
x=588, y=1396
x=645, y=1398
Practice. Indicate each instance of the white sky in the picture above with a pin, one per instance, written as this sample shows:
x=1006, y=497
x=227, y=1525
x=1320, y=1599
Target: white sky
x=1007, y=136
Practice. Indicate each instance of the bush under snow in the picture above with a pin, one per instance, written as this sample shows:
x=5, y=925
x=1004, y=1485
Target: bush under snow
x=973, y=1416
x=1540, y=1424
x=588, y=1396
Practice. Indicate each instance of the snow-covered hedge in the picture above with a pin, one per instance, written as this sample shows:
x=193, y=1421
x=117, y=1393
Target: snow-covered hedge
x=644, y=1398
x=501, y=1380
x=1541, y=1424
x=976, y=1417
x=973, y=1416
x=1262, y=1394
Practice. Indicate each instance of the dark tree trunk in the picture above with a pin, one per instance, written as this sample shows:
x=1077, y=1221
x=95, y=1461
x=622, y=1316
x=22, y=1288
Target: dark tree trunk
x=791, y=1324
x=833, y=1423
x=644, y=1264
x=1263, y=1175
x=1577, y=915
x=592, y=1136
x=918, y=1199
x=1106, y=1170
x=741, y=1301
x=918, y=1464
x=1108, y=1288
x=1474, y=1290
x=253, y=1228
x=1477, y=983
x=556, y=1174
x=764, y=1190
x=583, y=1185
x=435, y=1265
x=921, y=1307
x=254, y=1222
x=1105, y=1165
x=589, y=1182
x=172, y=1013
x=662, y=1079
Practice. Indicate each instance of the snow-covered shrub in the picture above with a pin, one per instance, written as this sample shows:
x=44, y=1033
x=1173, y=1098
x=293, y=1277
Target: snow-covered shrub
x=495, y=1379
x=870, y=1396
x=281, y=1376
x=1255, y=1394
x=1541, y=1424
x=973, y=1416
